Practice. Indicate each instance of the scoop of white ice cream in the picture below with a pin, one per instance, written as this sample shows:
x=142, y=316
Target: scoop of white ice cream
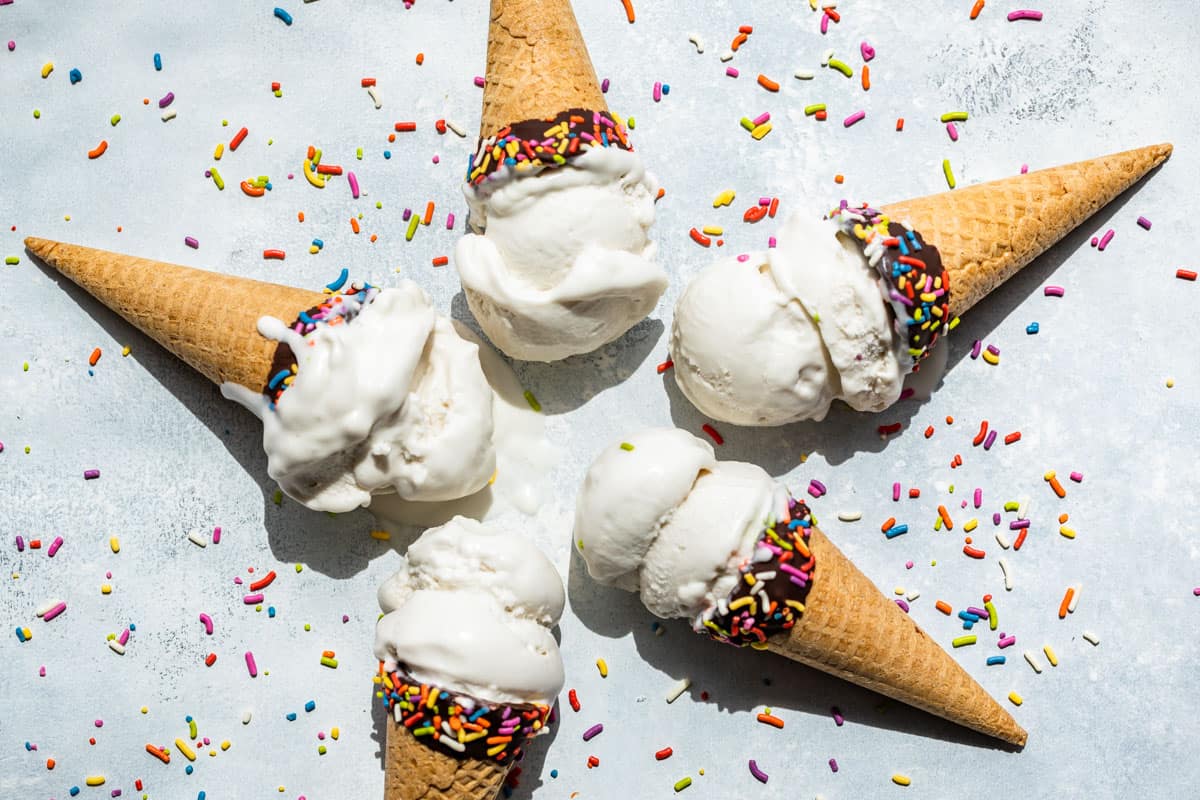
x=776, y=338
x=667, y=520
x=561, y=261
x=392, y=401
x=470, y=611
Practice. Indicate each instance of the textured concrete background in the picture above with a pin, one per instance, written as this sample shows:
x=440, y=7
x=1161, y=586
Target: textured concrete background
x=1088, y=393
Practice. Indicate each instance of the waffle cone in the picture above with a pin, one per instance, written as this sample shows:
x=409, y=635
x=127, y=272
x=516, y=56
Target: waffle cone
x=537, y=64
x=415, y=771
x=988, y=232
x=852, y=630
x=206, y=319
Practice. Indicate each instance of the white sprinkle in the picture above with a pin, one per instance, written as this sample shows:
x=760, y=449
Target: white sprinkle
x=1002, y=539
x=849, y=516
x=695, y=39
x=453, y=744
x=1007, y=574
x=168, y=115
x=1074, y=599
x=455, y=127
x=197, y=538
x=825, y=58
x=1091, y=637
x=805, y=74
x=42, y=609
x=374, y=96
x=679, y=687
x=727, y=55
x=1023, y=508
x=1032, y=659
x=246, y=716
x=116, y=647
x=913, y=595
x=765, y=576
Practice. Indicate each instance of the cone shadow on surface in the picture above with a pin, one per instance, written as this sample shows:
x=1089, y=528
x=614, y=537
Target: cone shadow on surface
x=762, y=679
x=336, y=546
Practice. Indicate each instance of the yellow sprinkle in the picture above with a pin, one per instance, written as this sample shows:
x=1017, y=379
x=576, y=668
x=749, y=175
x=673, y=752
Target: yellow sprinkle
x=991, y=357
x=1170, y=383
x=335, y=733
x=600, y=665
x=47, y=68
x=749, y=578
x=901, y=780
x=970, y=525
x=187, y=751
x=125, y=351
x=93, y=780
x=144, y=710
x=220, y=151
x=724, y=198
x=382, y=536
x=761, y=131
x=106, y=588
x=1015, y=698
x=713, y=230
x=1067, y=532
x=949, y=173
x=114, y=544
x=1050, y=656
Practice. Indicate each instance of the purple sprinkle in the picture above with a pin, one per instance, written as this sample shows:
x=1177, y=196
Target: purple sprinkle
x=91, y=474
x=1018, y=524
x=592, y=732
x=731, y=72
x=903, y=605
x=166, y=100
x=907, y=392
x=833, y=764
x=20, y=544
x=604, y=86
x=1108, y=235
x=407, y=213
x=989, y=441
x=1145, y=223
x=979, y=612
x=345, y=618
x=975, y=348
x=1077, y=477
x=991, y=348
x=996, y=518
x=1054, y=291
x=192, y=242
x=820, y=486
x=208, y=173
x=758, y=774
x=837, y=716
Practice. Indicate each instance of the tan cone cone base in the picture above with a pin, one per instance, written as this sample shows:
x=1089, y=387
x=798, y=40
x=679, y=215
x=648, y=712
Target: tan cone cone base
x=987, y=233
x=206, y=319
x=414, y=771
x=537, y=64
x=852, y=630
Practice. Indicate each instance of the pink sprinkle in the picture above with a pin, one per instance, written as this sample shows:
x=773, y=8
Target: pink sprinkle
x=1095, y=241
x=345, y=619
x=824, y=24
x=208, y=623
x=91, y=474
x=11, y=44
x=867, y=51
x=762, y=119
x=854, y=118
x=1077, y=477
x=1054, y=291
x=978, y=497
x=657, y=91
x=250, y=665
x=896, y=492
x=1006, y=641
x=1104, y=240
x=99, y=723
x=237, y=581
x=57, y=543
x=771, y=241
x=764, y=201
x=352, y=179
x=450, y=222
x=479, y=81
x=837, y=715
x=908, y=565
x=1035, y=16
x=436, y=159
x=216, y=537
x=1024, y=169
x=192, y=242
x=1145, y=223
x=123, y=639
x=743, y=258
x=253, y=599
x=42, y=671
x=732, y=72
x=54, y=612
x=1196, y=591
x=952, y=130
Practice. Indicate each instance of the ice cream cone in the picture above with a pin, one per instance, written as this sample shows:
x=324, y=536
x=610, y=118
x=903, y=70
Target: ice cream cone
x=988, y=232
x=415, y=771
x=206, y=319
x=852, y=630
x=537, y=65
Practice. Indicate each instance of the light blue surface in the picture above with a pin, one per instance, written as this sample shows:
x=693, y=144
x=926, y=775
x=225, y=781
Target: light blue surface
x=1088, y=393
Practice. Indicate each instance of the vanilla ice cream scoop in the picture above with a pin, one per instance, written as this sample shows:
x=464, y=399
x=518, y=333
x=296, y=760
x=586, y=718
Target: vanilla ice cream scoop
x=660, y=516
x=385, y=397
x=559, y=261
x=776, y=337
x=470, y=611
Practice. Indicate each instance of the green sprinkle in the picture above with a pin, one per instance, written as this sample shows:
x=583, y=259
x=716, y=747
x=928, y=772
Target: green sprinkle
x=814, y=108
x=270, y=142
x=963, y=641
x=321, y=749
x=25, y=367
x=358, y=154
x=224, y=123
x=627, y=447
x=682, y=784
x=413, y=222
x=326, y=661
x=378, y=204
x=217, y=179
x=841, y=67
x=952, y=488
x=533, y=403
x=630, y=123
x=1011, y=505
x=579, y=543
x=278, y=497
x=307, y=627
x=37, y=114
x=954, y=116
x=316, y=159
x=948, y=172
x=12, y=261
x=299, y=568
x=114, y=120
x=747, y=123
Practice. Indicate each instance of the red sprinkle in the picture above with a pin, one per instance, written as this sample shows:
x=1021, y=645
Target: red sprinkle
x=210, y=659
x=699, y=238
x=368, y=82
x=278, y=255
x=929, y=432
x=887, y=430
x=405, y=127
x=972, y=552
x=237, y=139
x=900, y=124
x=573, y=699
x=711, y=431
x=1185, y=274
x=593, y=762
x=664, y=366
x=263, y=582
x=1013, y=437
x=441, y=261
x=664, y=754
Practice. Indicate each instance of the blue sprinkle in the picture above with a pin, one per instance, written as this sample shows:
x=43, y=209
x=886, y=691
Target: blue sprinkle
x=132, y=627
x=967, y=616
x=29, y=747
x=968, y=624
x=188, y=769
x=202, y=795
x=319, y=242
x=340, y=281
x=76, y=76
x=310, y=705
x=158, y=62
x=291, y=717
x=553, y=773
x=271, y=612
x=387, y=153
x=188, y=718
x=666, y=88
x=895, y=530
x=20, y=636
x=994, y=660
x=279, y=376
x=1031, y=328
x=283, y=15
x=74, y=790
x=306, y=319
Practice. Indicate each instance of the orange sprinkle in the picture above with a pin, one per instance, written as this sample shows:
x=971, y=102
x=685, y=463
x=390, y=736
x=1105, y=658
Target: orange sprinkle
x=94, y=357
x=312, y=151
x=373, y=237
x=159, y=754
x=420, y=59
x=839, y=179
x=976, y=9
x=441, y=261
x=629, y=15
x=300, y=216
x=767, y=719
x=1066, y=601
x=888, y=525
x=832, y=12
x=1055, y=485
x=945, y=515
x=866, y=77
x=391, y=137
x=944, y=607
x=900, y=124
x=354, y=225
x=661, y=194
x=738, y=41
x=99, y=149
x=746, y=29
x=327, y=654
x=1062, y=518
x=428, y=214
x=767, y=83
x=821, y=116
x=949, y=419
x=50, y=763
